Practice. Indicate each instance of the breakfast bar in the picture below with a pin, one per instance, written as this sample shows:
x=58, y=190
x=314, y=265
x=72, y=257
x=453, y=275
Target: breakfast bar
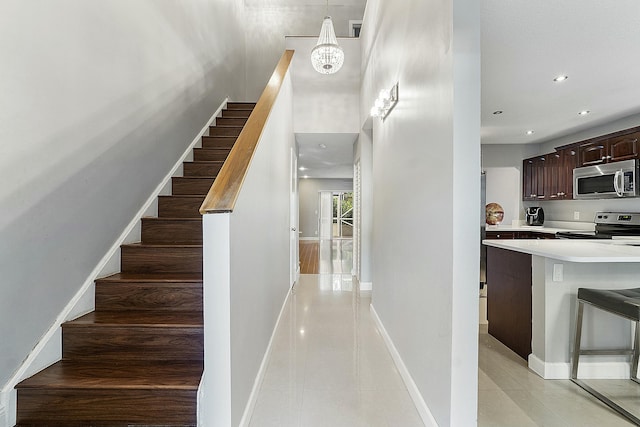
x=543, y=276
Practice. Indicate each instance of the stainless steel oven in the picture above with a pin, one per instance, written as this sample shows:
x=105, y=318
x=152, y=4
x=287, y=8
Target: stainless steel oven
x=609, y=180
x=608, y=225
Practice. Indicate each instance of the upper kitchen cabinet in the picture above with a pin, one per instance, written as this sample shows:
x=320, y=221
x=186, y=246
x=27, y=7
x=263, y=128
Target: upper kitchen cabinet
x=569, y=156
x=554, y=186
x=623, y=147
x=593, y=152
x=533, y=178
x=550, y=176
x=610, y=148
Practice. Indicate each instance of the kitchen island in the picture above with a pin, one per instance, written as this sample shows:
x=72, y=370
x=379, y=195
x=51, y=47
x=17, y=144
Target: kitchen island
x=532, y=287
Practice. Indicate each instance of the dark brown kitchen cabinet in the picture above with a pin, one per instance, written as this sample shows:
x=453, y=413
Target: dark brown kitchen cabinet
x=550, y=176
x=533, y=178
x=501, y=234
x=624, y=147
x=553, y=180
x=593, y=152
x=509, y=299
x=610, y=148
x=523, y=234
x=569, y=160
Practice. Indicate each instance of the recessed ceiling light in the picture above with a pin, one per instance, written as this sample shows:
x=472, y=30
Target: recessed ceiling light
x=305, y=176
x=561, y=78
x=530, y=132
x=302, y=168
x=584, y=112
x=498, y=112
x=323, y=146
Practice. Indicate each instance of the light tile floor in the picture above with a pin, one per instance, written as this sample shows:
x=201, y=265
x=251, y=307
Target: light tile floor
x=330, y=367
x=510, y=395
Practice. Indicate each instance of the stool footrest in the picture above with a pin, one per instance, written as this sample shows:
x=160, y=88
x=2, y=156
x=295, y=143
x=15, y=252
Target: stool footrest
x=606, y=352
x=619, y=409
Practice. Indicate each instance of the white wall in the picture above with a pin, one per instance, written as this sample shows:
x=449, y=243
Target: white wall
x=98, y=101
x=308, y=190
x=267, y=23
x=325, y=103
x=257, y=278
x=504, y=186
x=426, y=186
x=503, y=165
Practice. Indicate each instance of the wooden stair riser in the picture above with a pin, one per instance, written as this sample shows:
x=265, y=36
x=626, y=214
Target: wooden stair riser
x=141, y=353
x=179, y=207
x=210, y=154
x=236, y=113
x=204, y=169
x=231, y=121
x=121, y=296
x=224, y=131
x=225, y=142
x=167, y=230
x=124, y=342
x=161, y=259
x=100, y=407
x=194, y=186
x=240, y=105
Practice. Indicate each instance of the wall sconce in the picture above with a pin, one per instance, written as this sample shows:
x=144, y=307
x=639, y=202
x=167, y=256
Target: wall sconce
x=387, y=99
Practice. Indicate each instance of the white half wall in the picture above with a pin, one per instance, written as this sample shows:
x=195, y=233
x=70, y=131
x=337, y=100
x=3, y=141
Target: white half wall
x=98, y=102
x=426, y=193
x=246, y=272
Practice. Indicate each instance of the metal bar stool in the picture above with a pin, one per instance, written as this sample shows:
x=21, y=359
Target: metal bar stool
x=624, y=303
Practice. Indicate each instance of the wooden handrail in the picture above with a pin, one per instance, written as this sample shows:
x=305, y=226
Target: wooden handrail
x=224, y=192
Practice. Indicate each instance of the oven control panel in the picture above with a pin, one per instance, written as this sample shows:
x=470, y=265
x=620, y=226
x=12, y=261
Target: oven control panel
x=617, y=218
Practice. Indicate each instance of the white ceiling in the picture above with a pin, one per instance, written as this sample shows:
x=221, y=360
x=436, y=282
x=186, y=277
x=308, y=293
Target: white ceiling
x=333, y=161
x=525, y=44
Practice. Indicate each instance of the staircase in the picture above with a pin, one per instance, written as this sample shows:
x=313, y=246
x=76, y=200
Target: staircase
x=138, y=358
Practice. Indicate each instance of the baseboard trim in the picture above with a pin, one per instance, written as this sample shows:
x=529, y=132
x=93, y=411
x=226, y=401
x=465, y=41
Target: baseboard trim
x=366, y=286
x=586, y=370
x=416, y=396
x=253, y=397
x=82, y=303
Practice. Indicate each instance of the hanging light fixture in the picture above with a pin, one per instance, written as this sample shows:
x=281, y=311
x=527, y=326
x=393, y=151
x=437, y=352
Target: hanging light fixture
x=327, y=57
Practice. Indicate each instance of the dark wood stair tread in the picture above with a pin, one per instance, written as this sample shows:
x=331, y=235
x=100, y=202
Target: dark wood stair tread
x=159, y=245
x=194, y=278
x=155, y=319
x=132, y=374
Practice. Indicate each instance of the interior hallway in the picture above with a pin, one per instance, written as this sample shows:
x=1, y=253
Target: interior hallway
x=329, y=365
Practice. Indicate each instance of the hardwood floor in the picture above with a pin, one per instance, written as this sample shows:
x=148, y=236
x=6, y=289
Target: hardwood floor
x=309, y=257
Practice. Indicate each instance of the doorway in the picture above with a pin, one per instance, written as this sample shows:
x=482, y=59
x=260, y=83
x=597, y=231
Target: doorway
x=336, y=215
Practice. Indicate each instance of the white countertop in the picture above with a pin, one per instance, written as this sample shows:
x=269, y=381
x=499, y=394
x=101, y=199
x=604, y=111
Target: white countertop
x=580, y=250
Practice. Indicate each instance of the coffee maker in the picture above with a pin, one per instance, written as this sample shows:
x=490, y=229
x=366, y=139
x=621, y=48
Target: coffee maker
x=534, y=216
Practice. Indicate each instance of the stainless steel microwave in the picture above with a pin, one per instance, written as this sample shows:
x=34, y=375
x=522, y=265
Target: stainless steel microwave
x=608, y=180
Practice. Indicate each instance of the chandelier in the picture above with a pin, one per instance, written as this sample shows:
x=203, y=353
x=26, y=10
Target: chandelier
x=327, y=57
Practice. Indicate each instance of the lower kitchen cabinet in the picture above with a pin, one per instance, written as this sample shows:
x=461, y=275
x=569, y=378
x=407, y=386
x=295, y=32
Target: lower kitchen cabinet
x=525, y=234
x=509, y=299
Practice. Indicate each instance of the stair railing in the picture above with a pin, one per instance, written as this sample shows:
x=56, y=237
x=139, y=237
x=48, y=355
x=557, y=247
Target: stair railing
x=246, y=254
